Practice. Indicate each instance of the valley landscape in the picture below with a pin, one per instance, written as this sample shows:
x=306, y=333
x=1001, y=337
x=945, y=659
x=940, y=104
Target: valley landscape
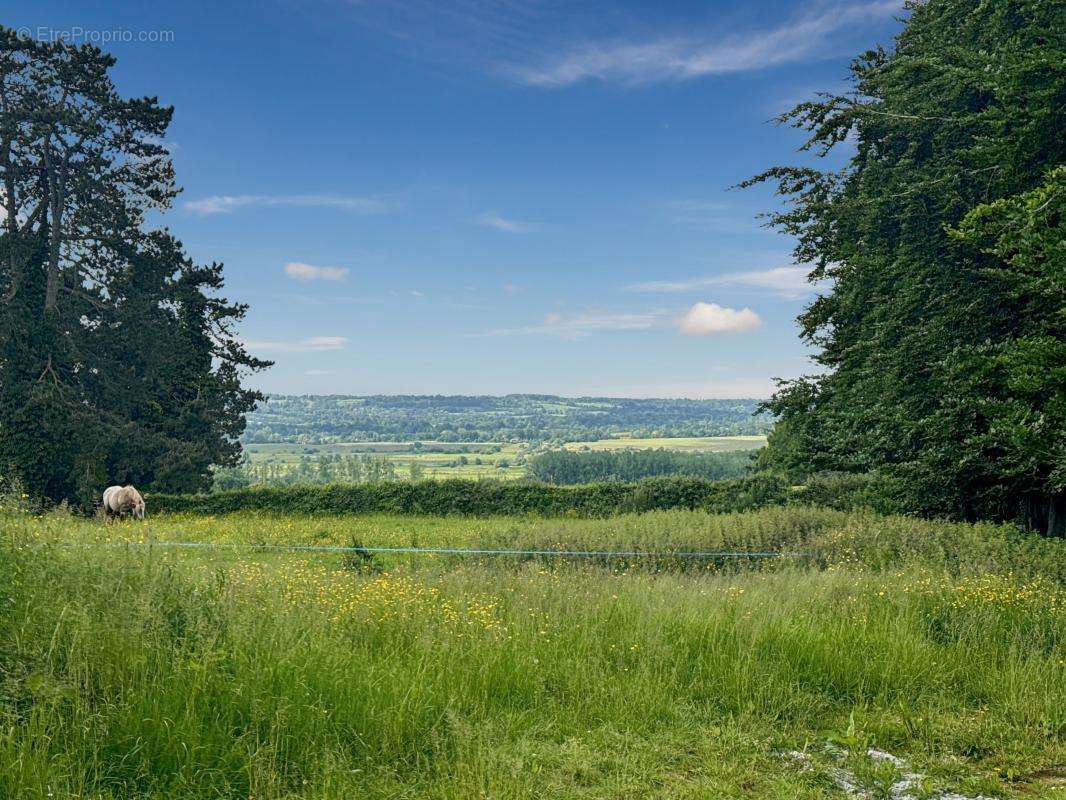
x=315, y=439
x=510, y=454
x=394, y=634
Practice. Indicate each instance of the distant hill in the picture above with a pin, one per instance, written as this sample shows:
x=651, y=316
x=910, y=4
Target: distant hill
x=319, y=419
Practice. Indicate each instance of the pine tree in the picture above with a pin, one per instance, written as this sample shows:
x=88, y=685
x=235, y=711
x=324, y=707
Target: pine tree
x=118, y=361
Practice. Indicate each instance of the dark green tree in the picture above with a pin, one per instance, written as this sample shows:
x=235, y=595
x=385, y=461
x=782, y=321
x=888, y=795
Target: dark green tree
x=1015, y=388
x=941, y=331
x=118, y=361
x=591, y=466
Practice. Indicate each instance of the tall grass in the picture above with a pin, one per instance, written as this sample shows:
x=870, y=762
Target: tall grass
x=137, y=673
x=860, y=540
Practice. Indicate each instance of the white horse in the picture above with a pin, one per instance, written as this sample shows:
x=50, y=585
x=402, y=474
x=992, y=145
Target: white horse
x=119, y=500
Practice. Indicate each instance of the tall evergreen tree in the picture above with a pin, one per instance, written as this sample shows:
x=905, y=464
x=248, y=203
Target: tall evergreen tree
x=942, y=332
x=118, y=361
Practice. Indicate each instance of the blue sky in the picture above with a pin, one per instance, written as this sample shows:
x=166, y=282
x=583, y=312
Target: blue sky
x=490, y=197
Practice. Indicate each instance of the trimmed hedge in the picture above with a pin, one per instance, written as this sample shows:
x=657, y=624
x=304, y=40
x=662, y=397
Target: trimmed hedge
x=457, y=496
x=488, y=498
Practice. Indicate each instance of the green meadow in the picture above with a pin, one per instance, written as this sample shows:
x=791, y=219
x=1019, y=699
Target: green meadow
x=472, y=460
x=348, y=596
x=436, y=459
x=692, y=444
x=243, y=670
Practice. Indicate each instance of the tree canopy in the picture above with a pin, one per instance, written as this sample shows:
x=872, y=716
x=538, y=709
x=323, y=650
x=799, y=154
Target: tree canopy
x=118, y=359
x=942, y=333
x=569, y=467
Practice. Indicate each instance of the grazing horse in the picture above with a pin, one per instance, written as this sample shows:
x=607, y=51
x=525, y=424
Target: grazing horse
x=119, y=500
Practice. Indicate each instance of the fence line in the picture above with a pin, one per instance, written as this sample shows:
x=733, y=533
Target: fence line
x=459, y=551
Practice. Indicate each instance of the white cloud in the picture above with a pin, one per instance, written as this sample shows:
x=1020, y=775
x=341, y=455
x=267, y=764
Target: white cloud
x=582, y=325
x=492, y=220
x=312, y=344
x=309, y=272
x=702, y=319
x=225, y=203
x=707, y=319
x=684, y=57
x=788, y=282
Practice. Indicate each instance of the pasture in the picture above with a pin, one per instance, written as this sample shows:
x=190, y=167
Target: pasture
x=692, y=444
x=131, y=670
x=471, y=460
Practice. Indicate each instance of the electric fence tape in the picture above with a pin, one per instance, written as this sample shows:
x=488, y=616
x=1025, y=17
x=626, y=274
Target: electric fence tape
x=460, y=551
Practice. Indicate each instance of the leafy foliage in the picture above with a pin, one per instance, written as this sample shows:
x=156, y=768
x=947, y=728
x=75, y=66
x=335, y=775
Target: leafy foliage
x=493, y=498
x=487, y=498
x=327, y=468
x=1017, y=386
x=569, y=467
x=942, y=334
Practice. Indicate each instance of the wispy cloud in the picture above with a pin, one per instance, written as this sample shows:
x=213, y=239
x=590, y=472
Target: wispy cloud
x=695, y=211
x=465, y=32
x=308, y=272
x=681, y=58
x=312, y=344
x=712, y=216
x=790, y=282
x=579, y=326
x=703, y=319
x=226, y=203
x=708, y=319
x=493, y=220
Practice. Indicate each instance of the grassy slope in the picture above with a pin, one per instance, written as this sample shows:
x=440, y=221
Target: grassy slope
x=238, y=674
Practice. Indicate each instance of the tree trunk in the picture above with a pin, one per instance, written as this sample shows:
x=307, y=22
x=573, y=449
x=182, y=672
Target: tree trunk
x=1056, y=515
x=56, y=185
x=51, y=289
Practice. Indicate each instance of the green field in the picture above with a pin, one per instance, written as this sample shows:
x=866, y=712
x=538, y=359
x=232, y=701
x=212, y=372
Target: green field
x=503, y=460
x=294, y=451
x=692, y=444
x=132, y=671
x=439, y=459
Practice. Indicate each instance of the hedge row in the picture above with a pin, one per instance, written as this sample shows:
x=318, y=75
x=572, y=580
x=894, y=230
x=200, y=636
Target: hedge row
x=487, y=498
x=500, y=498
x=845, y=492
